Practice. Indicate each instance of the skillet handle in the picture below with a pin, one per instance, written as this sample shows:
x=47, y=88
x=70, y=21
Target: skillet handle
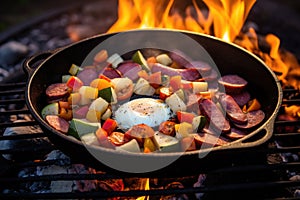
x=268, y=132
x=30, y=64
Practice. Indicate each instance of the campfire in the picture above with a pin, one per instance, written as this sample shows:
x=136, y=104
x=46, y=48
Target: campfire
x=220, y=18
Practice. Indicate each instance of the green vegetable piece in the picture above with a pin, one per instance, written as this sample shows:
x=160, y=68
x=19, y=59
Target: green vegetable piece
x=139, y=58
x=74, y=69
x=65, y=78
x=106, y=94
x=79, y=127
x=199, y=123
x=50, y=109
x=90, y=139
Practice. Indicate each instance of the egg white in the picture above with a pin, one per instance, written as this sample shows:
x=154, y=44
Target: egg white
x=142, y=111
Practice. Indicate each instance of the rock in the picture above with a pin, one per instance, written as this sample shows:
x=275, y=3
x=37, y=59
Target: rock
x=11, y=52
x=34, y=143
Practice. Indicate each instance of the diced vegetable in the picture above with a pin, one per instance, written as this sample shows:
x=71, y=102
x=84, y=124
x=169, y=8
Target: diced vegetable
x=66, y=114
x=108, y=94
x=139, y=58
x=106, y=114
x=180, y=94
x=183, y=129
x=50, y=109
x=74, y=69
x=131, y=146
x=175, y=83
x=199, y=123
x=253, y=105
x=164, y=59
x=88, y=92
x=65, y=78
x=149, y=145
x=143, y=74
x=100, y=83
x=151, y=60
x=163, y=140
x=186, y=85
x=115, y=60
x=155, y=79
x=74, y=98
x=93, y=116
x=185, y=116
x=90, y=139
x=110, y=125
x=99, y=105
x=74, y=83
x=175, y=103
x=165, y=80
x=81, y=112
x=164, y=92
x=102, y=137
x=82, y=127
x=123, y=88
x=199, y=87
x=101, y=56
x=143, y=87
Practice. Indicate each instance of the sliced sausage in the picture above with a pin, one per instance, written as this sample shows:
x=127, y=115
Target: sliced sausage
x=211, y=76
x=58, y=123
x=203, y=68
x=211, y=139
x=130, y=70
x=87, y=75
x=186, y=74
x=214, y=115
x=233, y=110
x=57, y=91
x=233, y=84
x=254, y=118
x=111, y=73
x=179, y=58
x=242, y=98
x=167, y=128
x=117, y=138
x=236, y=133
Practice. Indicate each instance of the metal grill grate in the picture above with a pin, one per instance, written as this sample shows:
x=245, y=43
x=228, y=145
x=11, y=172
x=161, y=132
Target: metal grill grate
x=269, y=179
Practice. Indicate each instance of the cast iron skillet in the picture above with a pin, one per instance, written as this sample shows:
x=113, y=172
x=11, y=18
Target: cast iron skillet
x=229, y=58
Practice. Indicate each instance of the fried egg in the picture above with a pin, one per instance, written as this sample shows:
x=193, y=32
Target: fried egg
x=142, y=111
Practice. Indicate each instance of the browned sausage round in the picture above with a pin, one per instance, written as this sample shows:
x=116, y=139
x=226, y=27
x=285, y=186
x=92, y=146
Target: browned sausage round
x=254, y=118
x=111, y=73
x=233, y=84
x=236, y=133
x=203, y=68
x=57, y=91
x=186, y=74
x=233, y=111
x=214, y=115
x=242, y=98
x=167, y=128
x=58, y=123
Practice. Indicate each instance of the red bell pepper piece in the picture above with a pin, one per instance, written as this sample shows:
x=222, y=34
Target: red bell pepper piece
x=109, y=125
x=185, y=116
x=74, y=83
x=175, y=83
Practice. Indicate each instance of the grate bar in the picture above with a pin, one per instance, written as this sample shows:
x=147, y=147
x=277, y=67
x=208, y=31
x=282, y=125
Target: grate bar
x=15, y=112
x=12, y=101
x=250, y=187
x=15, y=124
x=23, y=136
